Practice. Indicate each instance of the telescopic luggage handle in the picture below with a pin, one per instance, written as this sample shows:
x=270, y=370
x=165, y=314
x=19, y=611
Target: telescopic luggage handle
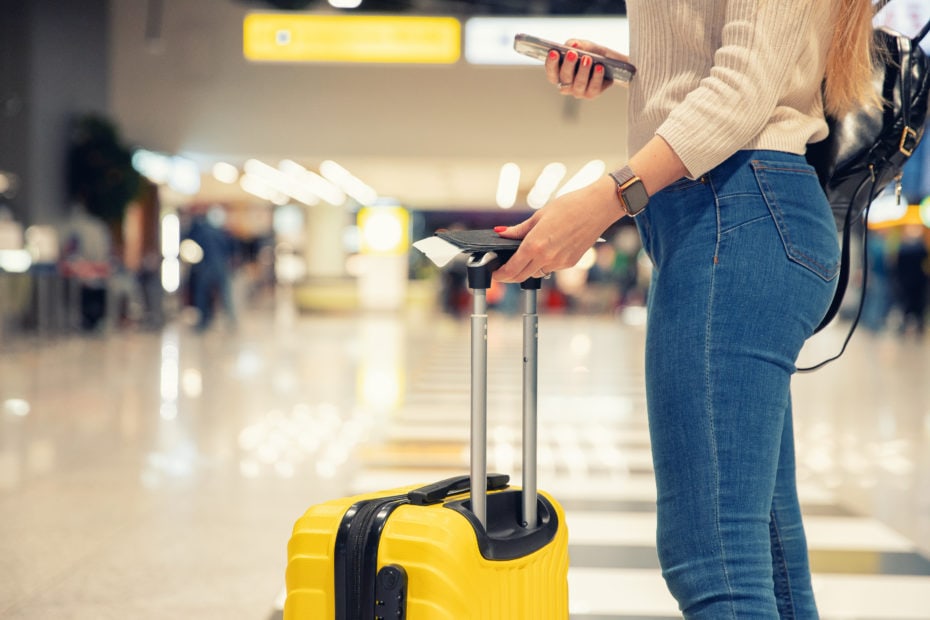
x=480, y=266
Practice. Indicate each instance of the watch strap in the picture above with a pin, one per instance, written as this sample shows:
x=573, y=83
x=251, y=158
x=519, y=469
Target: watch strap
x=627, y=190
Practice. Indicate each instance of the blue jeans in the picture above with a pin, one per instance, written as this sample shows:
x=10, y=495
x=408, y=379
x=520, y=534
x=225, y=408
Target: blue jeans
x=745, y=262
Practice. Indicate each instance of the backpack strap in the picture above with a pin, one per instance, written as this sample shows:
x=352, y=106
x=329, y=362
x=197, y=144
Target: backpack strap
x=843, y=278
x=923, y=33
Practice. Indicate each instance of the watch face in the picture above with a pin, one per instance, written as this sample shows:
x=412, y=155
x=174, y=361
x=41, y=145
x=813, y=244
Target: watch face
x=635, y=197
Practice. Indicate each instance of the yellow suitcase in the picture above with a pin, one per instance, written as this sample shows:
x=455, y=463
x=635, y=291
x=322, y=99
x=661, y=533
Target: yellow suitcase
x=458, y=549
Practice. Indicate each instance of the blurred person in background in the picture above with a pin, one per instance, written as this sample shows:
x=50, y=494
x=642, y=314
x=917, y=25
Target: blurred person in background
x=87, y=257
x=746, y=257
x=911, y=278
x=211, y=277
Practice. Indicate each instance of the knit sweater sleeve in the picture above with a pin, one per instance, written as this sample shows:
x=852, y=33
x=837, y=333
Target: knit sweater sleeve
x=760, y=42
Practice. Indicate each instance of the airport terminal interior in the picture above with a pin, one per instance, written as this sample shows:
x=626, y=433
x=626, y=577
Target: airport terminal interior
x=256, y=333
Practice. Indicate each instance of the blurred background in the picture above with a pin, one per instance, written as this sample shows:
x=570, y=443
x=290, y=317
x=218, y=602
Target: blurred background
x=125, y=124
x=206, y=280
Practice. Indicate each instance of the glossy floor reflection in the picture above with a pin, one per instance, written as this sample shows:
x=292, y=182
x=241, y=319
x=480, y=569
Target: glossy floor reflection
x=157, y=475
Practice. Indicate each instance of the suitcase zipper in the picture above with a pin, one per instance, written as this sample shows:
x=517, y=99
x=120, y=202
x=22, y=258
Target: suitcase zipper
x=358, y=540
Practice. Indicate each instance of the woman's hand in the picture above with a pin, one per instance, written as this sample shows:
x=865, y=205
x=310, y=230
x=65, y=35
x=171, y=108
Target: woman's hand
x=556, y=236
x=577, y=74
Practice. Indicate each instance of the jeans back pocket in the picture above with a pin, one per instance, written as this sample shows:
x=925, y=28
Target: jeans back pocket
x=801, y=213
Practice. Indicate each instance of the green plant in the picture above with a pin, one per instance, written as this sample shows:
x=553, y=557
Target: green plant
x=100, y=172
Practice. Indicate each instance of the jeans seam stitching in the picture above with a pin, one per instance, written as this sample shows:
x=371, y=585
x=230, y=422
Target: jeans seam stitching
x=760, y=166
x=709, y=400
x=784, y=567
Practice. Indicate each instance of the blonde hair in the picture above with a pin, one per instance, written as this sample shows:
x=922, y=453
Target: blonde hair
x=850, y=59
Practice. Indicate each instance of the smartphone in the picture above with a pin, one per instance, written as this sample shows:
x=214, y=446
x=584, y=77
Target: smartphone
x=537, y=48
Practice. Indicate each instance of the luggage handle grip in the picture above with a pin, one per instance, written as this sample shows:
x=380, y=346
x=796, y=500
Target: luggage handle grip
x=480, y=266
x=438, y=491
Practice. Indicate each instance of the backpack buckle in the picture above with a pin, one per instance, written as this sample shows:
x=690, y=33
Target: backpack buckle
x=908, y=142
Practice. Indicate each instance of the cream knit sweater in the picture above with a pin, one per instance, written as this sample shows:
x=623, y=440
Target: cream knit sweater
x=718, y=76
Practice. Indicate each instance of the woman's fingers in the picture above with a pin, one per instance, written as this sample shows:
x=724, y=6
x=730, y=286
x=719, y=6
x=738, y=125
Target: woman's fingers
x=568, y=69
x=553, y=63
x=576, y=73
x=582, y=77
x=556, y=236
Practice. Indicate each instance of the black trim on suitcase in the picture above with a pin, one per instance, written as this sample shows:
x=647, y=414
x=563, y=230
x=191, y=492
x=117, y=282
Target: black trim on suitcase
x=340, y=561
x=506, y=538
x=356, y=556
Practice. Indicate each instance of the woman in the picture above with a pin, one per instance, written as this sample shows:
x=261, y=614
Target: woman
x=727, y=95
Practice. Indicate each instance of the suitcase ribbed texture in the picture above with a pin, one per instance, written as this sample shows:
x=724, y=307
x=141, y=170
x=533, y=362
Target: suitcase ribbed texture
x=447, y=576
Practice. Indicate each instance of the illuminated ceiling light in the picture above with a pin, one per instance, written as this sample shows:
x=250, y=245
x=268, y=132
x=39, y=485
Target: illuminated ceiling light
x=324, y=189
x=545, y=184
x=280, y=183
x=507, y=185
x=589, y=173
x=184, y=176
x=271, y=175
x=180, y=173
x=347, y=182
x=154, y=166
x=225, y=172
x=313, y=182
x=260, y=189
x=255, y=186
x=345, y=4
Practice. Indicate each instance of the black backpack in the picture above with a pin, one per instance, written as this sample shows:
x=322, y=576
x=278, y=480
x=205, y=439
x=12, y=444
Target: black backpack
x=867, y=148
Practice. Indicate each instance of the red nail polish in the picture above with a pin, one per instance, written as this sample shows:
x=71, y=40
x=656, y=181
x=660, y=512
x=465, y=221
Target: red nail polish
x=599, y=69
x=553, y=55
x=571, y=56
x=586, y=61
x=500, y=229
x=575, y=45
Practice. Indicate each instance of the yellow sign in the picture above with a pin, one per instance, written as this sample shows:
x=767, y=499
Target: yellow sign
x=281, y=37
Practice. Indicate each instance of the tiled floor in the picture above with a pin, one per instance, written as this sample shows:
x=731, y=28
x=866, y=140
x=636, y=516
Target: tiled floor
x=157, y=475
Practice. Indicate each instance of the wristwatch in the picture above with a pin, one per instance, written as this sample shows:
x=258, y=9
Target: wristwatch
x=630, y=191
